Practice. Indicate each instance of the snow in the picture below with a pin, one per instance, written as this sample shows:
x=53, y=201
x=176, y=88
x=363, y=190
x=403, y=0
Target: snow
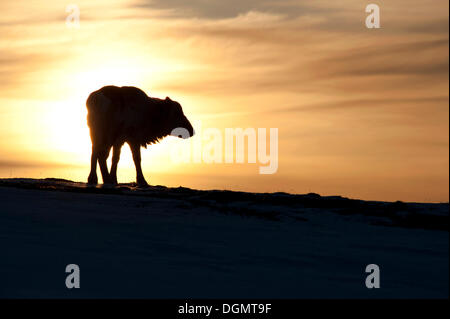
x=182, y=243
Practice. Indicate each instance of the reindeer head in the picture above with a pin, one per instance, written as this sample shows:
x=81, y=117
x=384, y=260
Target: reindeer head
x=177, y=121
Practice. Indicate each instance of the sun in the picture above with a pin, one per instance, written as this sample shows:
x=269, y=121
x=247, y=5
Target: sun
x=69, y=133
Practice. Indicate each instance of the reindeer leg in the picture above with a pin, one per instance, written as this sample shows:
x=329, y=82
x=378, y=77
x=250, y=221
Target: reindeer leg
x=136, y=150
x=92, y=179
x=115, y=161
x=102, y=157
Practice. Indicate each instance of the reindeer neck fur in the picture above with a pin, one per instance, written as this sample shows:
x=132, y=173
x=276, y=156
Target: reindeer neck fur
x=157, y=122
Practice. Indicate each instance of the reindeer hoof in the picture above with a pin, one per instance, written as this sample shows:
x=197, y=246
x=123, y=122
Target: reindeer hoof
x=92, y=180
x=143, y=184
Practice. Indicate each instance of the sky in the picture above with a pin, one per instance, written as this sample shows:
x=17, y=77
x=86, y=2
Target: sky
x=361, y=113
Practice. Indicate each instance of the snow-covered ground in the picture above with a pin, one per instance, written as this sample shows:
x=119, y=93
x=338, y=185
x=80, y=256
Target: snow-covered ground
x=181, y=243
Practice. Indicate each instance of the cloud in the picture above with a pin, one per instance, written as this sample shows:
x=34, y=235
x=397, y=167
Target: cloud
x=368, y=103
x=407, y=58
x=218, y=9
x=32, y=163
x=290, y=65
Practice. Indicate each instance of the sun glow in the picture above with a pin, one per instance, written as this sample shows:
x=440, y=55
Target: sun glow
x=69, y=130
x=65, y=119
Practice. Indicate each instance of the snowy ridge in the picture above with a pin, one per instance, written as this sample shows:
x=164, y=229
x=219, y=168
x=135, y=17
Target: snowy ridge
x=161, y=242
x=273, y=206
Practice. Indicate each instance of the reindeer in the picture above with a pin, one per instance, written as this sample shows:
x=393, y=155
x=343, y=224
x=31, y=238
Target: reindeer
x=126, y=114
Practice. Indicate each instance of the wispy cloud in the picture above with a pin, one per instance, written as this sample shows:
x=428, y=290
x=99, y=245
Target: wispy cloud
x=216, y=9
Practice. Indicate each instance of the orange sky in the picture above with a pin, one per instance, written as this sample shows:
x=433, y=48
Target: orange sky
x=362, y=113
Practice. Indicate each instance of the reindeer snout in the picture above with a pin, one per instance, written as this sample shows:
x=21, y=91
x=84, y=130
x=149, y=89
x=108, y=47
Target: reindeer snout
x=187, y=125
